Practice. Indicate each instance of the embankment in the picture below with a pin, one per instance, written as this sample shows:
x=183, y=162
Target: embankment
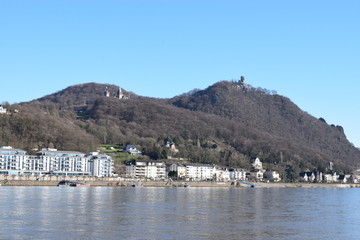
x=49, y=180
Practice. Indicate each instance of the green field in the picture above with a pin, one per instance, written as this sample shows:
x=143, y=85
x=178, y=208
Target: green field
x=116, y=152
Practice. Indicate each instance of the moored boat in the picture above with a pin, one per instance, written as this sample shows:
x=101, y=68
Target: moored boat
x=67, y=183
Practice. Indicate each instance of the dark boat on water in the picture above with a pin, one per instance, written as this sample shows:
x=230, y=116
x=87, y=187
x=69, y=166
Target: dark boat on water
x=67, y=183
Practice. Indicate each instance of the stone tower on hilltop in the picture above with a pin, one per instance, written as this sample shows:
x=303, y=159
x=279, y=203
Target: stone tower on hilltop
x=242, y=84
x=118, y=95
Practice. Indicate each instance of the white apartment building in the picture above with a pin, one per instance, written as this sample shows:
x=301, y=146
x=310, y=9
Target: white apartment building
x=145, y=169
x=237, y=174
x=200, y=172
x=222, y=174
x=100, y=165
x=12, y=160
x=52, y=161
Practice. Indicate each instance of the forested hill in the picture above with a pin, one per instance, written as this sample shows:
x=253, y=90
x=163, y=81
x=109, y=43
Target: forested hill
x=274, y=115
x=226, y=124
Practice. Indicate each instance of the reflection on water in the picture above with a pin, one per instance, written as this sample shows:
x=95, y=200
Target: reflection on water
x=178, y=213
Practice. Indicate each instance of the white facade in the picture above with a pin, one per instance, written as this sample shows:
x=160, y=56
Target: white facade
x=257, y=171
x=237, y=174
x=12, y=160
x=257, y=164
x=64, y=161
x=200, y=172
x=52, y=161
x=2, y=110
x=180, y=169
x=272, y=176
x=146, y=169
x=329, y=178
x=100, y=165
x=307, y=176
x=132, y=150
x=222, y=174
x=257, y=175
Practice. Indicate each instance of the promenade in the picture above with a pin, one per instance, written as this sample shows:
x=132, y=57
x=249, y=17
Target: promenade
x=48, y=180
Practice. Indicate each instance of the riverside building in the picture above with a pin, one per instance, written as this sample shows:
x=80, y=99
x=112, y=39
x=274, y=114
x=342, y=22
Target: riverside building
x=52, y=161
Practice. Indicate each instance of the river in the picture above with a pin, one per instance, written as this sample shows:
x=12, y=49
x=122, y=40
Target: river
x=179, y=213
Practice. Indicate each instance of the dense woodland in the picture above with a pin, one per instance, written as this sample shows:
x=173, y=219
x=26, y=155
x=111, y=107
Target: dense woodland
x=225, y=124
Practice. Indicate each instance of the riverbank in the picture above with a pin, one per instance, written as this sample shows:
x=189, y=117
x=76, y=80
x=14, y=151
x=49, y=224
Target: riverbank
x=309, y=185
x=123, y=182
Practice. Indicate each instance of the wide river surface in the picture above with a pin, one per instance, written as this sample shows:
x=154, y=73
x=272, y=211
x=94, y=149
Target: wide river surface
x=179, y=213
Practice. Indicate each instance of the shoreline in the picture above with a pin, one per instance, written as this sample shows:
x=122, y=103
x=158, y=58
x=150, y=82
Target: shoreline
x=137, y=183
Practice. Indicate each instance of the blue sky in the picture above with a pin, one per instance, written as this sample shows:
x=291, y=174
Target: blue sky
x=306, y=50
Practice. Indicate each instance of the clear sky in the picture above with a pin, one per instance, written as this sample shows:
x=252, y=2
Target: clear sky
x=306, y=50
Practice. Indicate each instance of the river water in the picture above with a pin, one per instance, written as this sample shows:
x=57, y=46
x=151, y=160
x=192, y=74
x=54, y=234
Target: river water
x=179, y=213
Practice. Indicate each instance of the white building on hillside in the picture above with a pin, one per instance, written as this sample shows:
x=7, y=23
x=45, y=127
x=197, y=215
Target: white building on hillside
x=2, y=110
x=63, y=161
x=12, y=160
x=237, y=174
x=222, y=174
x=146, y=169
x=257, y=164
x=272, y=176
x=100, y=165
x=257, y=171
x=132, y=150
x=52, y=161
x=200, y=172
x=180, y=170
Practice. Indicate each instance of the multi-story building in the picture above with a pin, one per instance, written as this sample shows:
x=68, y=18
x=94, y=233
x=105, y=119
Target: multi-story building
x=52, y=161
x=200, y=172
x=179, y=169
x=145, y=169
x=12, y=160
x=100, y=165
x=237, y=174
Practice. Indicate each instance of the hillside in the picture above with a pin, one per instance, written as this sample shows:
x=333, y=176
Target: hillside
x=275, y=115
x=226, y=124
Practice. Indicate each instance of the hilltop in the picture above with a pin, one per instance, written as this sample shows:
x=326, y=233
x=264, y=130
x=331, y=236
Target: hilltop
x=226, y=124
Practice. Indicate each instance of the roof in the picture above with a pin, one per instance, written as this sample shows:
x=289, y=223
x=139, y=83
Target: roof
x=60, y=153
x=308, y=174
x=199, y=165
x=6, y=150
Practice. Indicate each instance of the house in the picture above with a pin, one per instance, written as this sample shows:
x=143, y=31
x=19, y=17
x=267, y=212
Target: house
x=256, y=163
x=307, y=177
x=257, y=171
x=179, y=169
x=2, y=110
x=342, y=178
x=272, y=176
x=131, y=149
x=331, y=177
x=171, y=146
x=237, y=174
x=255, y=174
x=353, y=179
x=222, y=174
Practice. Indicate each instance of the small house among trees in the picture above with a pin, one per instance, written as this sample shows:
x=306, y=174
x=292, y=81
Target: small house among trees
x=2, y=110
